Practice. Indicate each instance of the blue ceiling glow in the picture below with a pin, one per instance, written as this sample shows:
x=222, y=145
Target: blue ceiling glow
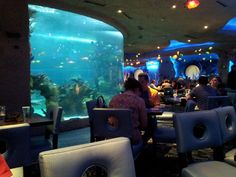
x=230, y=25
x=211, y=56
x=230, y=64
x=179, y=45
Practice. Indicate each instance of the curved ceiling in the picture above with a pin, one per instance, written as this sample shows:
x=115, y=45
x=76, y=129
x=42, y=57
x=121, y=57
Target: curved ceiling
x=147, y=24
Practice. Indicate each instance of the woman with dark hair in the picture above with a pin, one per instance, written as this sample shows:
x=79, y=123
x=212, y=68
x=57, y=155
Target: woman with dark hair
x=130, y=99
x=216, y=83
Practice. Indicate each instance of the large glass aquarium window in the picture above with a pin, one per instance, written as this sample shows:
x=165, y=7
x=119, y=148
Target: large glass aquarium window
x=74, y=59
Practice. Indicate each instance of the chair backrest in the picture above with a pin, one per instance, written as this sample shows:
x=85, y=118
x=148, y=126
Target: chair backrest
x=17, y=139
x=232, y=97
x=197, y=130
x=218, y=101
x=114, y=155
x=227, y=119
x=90, y=106
x=56, y=115
x=96, y=103
x=112, y=122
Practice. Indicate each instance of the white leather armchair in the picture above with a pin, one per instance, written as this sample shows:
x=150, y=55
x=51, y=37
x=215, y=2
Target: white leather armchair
x=198, y=130
x=114, y=155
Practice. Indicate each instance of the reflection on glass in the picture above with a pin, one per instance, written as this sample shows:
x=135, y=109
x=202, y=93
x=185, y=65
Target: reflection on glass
x=73, y=59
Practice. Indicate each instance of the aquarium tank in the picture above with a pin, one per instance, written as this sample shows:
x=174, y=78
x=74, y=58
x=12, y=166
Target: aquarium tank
x=74, y=59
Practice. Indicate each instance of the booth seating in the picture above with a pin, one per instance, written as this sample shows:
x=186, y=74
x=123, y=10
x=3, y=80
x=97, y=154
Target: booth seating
x=90, y=106
x=114, y=122
x=114, y=155
x=227, y=120
x=50, y=140
x=232, y=97
x=218, y=101
x=199, y=130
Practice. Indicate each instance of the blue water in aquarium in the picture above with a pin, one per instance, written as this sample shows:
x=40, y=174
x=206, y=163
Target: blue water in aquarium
x=74, y=59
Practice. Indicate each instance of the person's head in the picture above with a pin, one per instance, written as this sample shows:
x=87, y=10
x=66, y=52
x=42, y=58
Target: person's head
x=143, y=80
x=203, y=80
x=214, y=81
x=166, y=81
x=131, y=84
x=153, y=81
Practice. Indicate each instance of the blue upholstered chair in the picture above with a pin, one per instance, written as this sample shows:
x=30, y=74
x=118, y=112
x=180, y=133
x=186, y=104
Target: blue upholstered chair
x=227, y=119
x=90, y=106
x=56, y=115
x=120, y=126
x=198, y=130
x=218, y=101
x=50, y=140
x=114, y=155
x=17, y=140
x=232, y=97
x=165, y=132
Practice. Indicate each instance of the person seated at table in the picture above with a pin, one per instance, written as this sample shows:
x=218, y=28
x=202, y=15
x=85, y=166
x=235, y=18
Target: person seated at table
x=131, y=99
x=180, y=85
x=166, y=84
x=149, y=94
x=151, y=99
x=153, y=84
x=216, y=83
x=198, y=95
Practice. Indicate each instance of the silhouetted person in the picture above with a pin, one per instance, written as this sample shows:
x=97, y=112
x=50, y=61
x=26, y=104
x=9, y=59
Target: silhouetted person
x=232, y=78
x=198, y=95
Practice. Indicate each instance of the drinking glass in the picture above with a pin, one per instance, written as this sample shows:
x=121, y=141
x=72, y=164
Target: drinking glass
x=26, y=112
x=2, y=113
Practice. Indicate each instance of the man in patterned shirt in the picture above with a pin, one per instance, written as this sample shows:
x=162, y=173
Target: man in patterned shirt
x=130, y=99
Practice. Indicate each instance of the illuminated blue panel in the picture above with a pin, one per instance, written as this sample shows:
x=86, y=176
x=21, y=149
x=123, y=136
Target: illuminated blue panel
x=152, y=65
x=178, y=45
x=175, y=64
x=129, y=69
x=230, y=64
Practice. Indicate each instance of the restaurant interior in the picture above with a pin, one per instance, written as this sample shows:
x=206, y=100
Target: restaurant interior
x=63, y=61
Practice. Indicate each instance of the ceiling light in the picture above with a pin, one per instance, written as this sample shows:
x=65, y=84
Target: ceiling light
x=119, y=11
x=158, y=47
x=189, y=40
x=191, y=4
x=205, y=27
x=174, y=7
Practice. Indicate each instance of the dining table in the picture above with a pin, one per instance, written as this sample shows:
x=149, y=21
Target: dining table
x=33, y=121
